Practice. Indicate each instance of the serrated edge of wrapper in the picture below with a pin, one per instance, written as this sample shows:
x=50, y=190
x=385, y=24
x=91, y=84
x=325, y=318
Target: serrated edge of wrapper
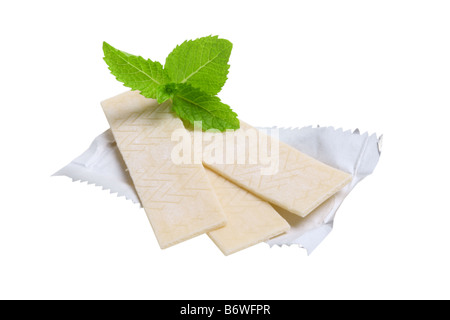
x=79, y=170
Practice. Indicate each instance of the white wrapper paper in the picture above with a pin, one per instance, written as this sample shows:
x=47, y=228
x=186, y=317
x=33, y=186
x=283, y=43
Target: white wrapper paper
x=101, y=164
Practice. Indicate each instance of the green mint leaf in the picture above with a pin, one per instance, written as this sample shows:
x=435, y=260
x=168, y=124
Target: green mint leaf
x=192, y=104
x=134, y=71
x=202, y=63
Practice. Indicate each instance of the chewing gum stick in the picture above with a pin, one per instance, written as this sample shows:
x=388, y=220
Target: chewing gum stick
x=296, y=182
x=178, y=199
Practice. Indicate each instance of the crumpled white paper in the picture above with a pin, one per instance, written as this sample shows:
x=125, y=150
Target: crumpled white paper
x=102, y=164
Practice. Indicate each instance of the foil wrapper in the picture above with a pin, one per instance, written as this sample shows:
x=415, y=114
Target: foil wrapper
x=350, y=151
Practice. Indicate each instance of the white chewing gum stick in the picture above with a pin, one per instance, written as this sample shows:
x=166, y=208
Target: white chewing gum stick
x=178, y=199
x=299, y=184
x=250, y=220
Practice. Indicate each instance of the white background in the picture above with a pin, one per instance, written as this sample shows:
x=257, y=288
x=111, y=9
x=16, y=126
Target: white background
x=380, y=66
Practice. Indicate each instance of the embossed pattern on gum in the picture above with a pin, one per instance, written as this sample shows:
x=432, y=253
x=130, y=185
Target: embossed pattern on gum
x=250, y=220
x=178, y=199
x=300, y=185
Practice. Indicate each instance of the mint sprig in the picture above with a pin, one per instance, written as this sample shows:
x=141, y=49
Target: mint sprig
x=193, y=74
